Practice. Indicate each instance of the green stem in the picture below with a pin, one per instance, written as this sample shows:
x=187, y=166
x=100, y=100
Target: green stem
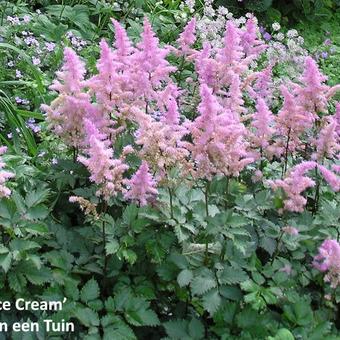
x=277, y=248
x=171, y=204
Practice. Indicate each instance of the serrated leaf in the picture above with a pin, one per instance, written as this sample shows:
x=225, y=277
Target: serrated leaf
x=112, y=247
x=16, y=281
x=87, y=316
x=176, y=329
x=5, y=261
x=184, y=277
x=200, y=284
x=232, y=275
x=90, y=291
x=196, y=329
x=212, y=301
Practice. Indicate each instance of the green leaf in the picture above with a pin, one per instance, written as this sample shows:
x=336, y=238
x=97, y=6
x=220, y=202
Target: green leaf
x=142, y=317
x=90, y=291
x=17, y=281
x=176, y=329
x=202, y=284
x=212, y=301
x=112, y=247
x=87, y=316
x=184, y=277
x=232, y=275
x=36, y=197
x=196, y=329
x=5, y=261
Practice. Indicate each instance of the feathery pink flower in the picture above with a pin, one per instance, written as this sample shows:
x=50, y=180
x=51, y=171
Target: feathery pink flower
x=65, y=114
x=313, y=95
x=252, y=46
x=105, y=171
x=122, y=43
x=141, y=187
x=262, y=122
x=294, y=185
x=330, y=177
x=327, y=144
x=4, y=175
x=328, y=260
x=219, y=145
x=187, y=37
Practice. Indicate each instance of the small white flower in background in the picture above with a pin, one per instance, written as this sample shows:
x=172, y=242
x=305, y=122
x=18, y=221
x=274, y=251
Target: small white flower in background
x=10, y=64
x=38, y=11
x=36, y=61
x=18, y=74
x=292, y=33
x=54, y=161
x=276, y=26
x=50, y=46
x=300, y=40
x=280, y=36
x=26, y=18
x=222, y=10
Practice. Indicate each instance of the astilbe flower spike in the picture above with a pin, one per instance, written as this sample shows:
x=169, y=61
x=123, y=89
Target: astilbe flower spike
x=291, y=122
x=328, y=260
x=294, y=185
x=105, y=171
x=148, y=64
x=66, y=112
x=252, y=46
x=262, y=121
x=219, y=146
x=327, y=143
x=141, y=187
x=187, y=37
x=123, y=47
x=4, y=175
x=312, y=95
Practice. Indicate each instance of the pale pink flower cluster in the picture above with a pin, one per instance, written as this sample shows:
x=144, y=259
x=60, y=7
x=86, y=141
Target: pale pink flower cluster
x=294, y=185
x=4, y=176
x=328, y=260
x=296, y=182
x=134, y=94
x=105, y=170
x=142, y=186
x=219, y=145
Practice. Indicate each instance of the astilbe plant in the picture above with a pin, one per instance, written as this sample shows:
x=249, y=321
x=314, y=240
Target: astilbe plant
x=233, y=121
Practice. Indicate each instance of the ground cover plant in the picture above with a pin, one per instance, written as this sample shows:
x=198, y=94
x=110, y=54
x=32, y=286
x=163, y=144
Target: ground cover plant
x=176, y=187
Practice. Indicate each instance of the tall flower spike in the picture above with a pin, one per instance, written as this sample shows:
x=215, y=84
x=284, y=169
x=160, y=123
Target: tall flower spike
x=327, y=143
x=294, y=185
x=122, y=42
x=187, y=37
x=141, y=187
x=66, y=112
x=313, y=95
x=71, y=76
x=251, y=44
x=328, y=260
x=105, y=171
x=262, y=122
x=4, y=175
x=291, y=122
